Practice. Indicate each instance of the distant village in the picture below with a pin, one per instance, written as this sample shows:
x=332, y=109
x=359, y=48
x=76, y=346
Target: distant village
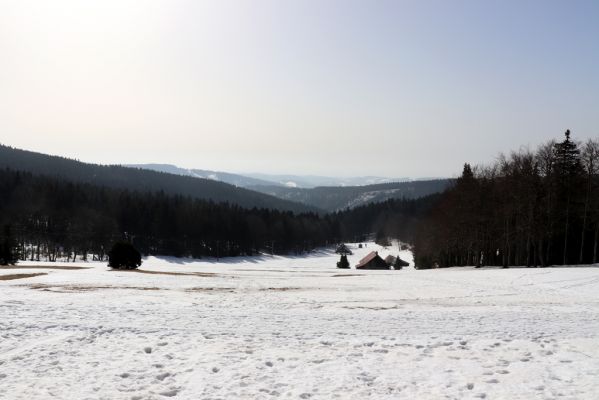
x=371, y=261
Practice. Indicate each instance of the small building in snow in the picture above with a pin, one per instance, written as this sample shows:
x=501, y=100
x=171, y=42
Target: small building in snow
x=372, y=261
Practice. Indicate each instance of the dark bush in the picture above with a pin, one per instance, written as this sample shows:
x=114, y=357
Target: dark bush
x=124, y=256
x=9, y=250
x=343, y=263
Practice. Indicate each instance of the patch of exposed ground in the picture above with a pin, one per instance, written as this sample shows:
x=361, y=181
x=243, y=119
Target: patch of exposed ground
x=20, y=266
x=233, y=290
x=143, y=271
x=19, y=276
x=83, y=288
x=291, y=271
x=373, y=308
x=211, y=289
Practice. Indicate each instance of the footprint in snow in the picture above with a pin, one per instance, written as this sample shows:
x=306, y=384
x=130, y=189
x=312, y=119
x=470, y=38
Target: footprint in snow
x=163, y=376
x=169, y=393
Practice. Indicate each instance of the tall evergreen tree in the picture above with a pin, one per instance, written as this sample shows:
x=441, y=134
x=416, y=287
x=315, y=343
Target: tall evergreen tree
x=9, y=249
x=568, y=169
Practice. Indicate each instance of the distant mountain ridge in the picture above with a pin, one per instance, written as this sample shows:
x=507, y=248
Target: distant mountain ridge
x=142, y=180
x=343, y=193
x=340, y=198
x=259, y=179
x=312, y=181
x=232, y=179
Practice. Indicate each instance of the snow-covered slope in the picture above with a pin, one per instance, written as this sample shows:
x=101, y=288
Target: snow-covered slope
x=297, y=327
x=339, y=198
x=232, y=179
x=312, y=181
x=258, y=179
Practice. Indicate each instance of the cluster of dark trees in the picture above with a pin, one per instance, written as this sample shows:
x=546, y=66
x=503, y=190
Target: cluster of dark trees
x=51, y=218
x=9, y=250
x=531, y=208
x=135, y=179
x=334, y=198
x=394, y=218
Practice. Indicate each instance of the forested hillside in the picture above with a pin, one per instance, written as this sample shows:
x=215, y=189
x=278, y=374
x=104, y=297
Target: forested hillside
x=338, y=198
x=232, y=179
x=533, y=208
x=49, y=218
x=139, y=179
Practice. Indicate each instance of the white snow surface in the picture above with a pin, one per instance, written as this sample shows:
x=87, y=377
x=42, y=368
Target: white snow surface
x=298, y=328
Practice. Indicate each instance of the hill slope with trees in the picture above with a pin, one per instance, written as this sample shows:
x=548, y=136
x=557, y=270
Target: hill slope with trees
x=50, y=218
x=119, y=177
x=530, y=208
x=337, y=198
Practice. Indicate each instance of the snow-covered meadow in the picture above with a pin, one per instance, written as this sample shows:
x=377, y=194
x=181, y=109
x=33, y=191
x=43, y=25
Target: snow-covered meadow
x=297, y=327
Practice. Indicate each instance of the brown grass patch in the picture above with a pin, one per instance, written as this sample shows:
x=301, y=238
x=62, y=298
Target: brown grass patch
x=19, y=266
x=19, y=276
x=143, y=271
x=233, y=290
x=211, y=289
x=340, y=275
x=83, y=288
x=381, y=308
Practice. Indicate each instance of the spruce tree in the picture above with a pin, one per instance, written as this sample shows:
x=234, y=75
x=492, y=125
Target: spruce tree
x=569, y=170
x=9, y=250
x=343, y=263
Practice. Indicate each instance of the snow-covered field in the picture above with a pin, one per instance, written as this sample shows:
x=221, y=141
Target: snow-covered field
x=278, y=327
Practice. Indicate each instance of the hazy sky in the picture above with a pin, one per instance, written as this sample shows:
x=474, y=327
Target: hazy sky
x=393, y=88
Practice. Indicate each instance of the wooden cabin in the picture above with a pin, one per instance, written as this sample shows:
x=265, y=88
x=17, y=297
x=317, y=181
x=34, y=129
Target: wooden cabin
x=372, y=261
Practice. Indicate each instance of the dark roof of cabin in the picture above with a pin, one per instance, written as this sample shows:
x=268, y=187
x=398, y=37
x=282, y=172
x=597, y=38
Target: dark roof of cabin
x=369, y=257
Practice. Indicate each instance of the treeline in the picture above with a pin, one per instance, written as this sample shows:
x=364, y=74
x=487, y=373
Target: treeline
x=338, y=198
x=50, y=219
x=394, y=218
x=531, y=208
x=135, y=179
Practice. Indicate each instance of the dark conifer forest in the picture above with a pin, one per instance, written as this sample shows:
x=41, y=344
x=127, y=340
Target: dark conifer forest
x=54, y=219
x=531, y=208
x=119, y=177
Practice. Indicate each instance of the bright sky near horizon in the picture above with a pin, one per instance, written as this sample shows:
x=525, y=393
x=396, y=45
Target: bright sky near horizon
x=392, y=88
